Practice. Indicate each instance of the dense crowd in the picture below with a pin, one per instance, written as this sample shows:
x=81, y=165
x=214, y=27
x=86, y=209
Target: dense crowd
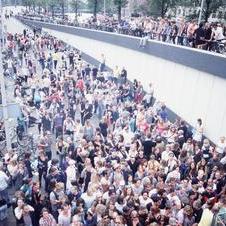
x=206, y=36
x=107, y=153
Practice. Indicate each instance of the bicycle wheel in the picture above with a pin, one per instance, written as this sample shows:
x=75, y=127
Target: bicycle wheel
x=24, y=142
x=221, y=49
x=3, y=145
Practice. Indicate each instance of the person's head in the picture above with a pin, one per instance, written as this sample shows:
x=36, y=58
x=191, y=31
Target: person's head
x=26, y=209
x=35, y=187
x=27, y=155
x=206, y=143
x=65, y=208
x=21, y=165
x=188, y=210
x=222, y=139
x=20, y=203
x=219, y=25
x=207, y=25
x=201, y=25
x=45, y=213
x=90, y=214
x=199, y=120
x=76, y=221
x=134, y=215
x=192, y=165
x=145, y=195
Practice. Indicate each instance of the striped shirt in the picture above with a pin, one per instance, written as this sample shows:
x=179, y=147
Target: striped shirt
x=47, y=221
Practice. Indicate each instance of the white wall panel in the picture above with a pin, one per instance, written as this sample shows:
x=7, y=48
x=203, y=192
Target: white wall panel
x=188, y=92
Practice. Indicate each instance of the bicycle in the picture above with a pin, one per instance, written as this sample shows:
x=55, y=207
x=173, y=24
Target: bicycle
x=218, y=46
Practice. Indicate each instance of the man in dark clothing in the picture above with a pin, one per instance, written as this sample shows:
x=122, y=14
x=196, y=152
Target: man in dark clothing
x=133, y=164
x=148, y=144
x=46, y=123
x=58, y=122
x=87, y=70
x=123, y=75
x=199, y=36
x=208, y=36
x=71, y=59
x=94, y=73
x=103, y=128
x=24, y=32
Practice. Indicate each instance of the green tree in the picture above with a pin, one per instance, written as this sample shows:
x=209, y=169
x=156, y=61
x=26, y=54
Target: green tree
x=61, y=3
x=209, y=7
x=94, y=6
x=41, y=4
x=160, y=7
x=76, y=5
x=51, y=6
x=29, y=3
x=98, y=6
x=119, y=5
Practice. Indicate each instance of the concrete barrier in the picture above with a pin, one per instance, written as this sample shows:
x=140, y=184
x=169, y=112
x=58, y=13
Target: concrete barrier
x=201, y=60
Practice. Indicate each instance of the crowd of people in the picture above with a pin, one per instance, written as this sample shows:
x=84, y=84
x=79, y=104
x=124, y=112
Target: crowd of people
x=185, y=33
x=107, y=154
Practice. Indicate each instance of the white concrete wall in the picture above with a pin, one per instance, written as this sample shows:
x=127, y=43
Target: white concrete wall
x=190, y=93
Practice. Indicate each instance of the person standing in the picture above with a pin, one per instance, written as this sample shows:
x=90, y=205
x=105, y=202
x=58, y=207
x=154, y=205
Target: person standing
x=4, y=179
x=102, y=63
x=198, y=133
x=55, y=57
x=47, y=219
x=190, y=32
x=58, y=122
x=199, y=36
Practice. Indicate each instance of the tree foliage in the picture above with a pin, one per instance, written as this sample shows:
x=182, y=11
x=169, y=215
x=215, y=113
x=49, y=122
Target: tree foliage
x=51, y=4
x=211, y=6
x=28, y=3
x=76, y=5
x=160, y=7
x=98, y=6
x=94, y=6
x=119, y=5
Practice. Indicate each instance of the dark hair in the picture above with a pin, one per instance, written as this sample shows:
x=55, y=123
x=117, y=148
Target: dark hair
x=201, y=24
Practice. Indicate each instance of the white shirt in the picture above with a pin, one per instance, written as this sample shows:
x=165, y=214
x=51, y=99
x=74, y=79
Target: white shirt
x=221, y=147
x=46, y=82
x=127, y=136
x=71, y=175
x=3, y=181
x=88, y=199
x=219, y=33
x=144, y=202
x=174, y=199
x=165, y=155
x=18, y=213
x=69, y=125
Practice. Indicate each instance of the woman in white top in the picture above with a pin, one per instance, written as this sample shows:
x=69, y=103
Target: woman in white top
x=64, y=218
x=71, y=173
x=198, y=134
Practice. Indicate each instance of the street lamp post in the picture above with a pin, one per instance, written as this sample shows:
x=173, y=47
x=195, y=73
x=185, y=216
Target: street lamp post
x=2, y=81
x=200, y=12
